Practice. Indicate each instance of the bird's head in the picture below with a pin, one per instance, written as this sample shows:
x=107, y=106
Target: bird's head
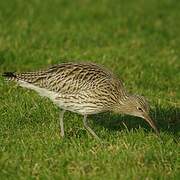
x=136, y=105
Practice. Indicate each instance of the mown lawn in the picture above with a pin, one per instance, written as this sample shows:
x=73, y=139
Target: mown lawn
x=139, y=41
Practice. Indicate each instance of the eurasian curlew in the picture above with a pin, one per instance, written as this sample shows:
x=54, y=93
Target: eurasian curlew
x=84, y=88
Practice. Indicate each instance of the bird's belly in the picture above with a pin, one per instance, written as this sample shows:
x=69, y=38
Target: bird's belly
x=80, y=109
x=78, y=106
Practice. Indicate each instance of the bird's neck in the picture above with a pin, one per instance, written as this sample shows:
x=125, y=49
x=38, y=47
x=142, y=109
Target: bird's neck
x=122, y=104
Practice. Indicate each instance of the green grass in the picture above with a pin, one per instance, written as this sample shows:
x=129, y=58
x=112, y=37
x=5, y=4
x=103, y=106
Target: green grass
x=139, y=41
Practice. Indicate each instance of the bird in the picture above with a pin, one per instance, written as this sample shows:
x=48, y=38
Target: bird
x=85, y=88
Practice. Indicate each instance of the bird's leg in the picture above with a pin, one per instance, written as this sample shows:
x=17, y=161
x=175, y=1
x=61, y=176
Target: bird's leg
x=88, y=128
x=61, y=123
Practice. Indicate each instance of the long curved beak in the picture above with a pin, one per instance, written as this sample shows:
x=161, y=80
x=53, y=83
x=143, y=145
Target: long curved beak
x=151, y=123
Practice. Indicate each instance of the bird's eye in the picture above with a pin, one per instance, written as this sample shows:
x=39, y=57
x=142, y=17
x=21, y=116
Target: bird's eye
x=140, y=109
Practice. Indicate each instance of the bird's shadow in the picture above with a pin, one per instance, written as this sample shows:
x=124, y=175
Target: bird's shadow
x=167, y=120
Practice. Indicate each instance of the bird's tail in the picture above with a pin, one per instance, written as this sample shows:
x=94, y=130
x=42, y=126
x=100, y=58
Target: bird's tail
x=28, y=77
x=10, y=76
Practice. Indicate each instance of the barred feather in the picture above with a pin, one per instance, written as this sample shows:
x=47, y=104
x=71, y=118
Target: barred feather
x=84, y=88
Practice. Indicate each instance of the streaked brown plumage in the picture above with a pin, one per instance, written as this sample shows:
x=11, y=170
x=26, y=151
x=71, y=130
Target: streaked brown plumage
x=84, y=88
